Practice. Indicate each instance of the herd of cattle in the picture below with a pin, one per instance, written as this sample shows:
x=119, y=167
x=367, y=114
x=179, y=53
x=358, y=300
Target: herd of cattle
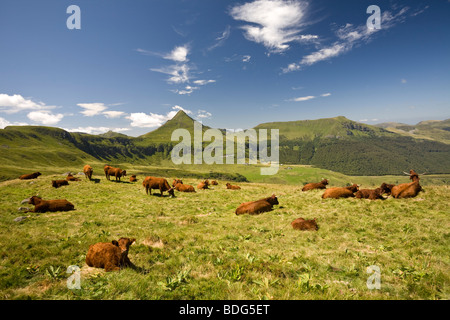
x=114, y=255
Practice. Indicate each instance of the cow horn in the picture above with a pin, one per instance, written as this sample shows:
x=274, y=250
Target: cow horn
x=406, y=173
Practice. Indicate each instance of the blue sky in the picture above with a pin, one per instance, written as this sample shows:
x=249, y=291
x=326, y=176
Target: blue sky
x=230, y=64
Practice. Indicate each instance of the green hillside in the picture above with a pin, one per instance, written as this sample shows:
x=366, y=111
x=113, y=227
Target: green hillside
x=336, y=144
x=432, y=129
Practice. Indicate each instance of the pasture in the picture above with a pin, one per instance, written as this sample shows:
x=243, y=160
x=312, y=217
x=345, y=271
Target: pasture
x=193, y=246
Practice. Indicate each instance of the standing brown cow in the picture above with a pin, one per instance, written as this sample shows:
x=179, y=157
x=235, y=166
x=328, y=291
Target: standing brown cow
x=160, y=184
x=87, y=169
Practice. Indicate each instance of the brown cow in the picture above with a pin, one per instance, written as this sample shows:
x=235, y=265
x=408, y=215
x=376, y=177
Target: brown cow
x=371, y=194
x=214, y=183
x=407, y=190
x=133, y=178
x=49, y=205
x=106, y=169
x=203, y=184
x=161, y=184
x=175, y=181
x=318, y=185
x=116, y=172
x=344, y=192
x=30, y=176
x=229, y=186
x=70, y=177
x=87, y=169
x=258, y=206
x=387, y=188
x=302, y=224
x=59, y=183
x=112, y=256
x=184, y=187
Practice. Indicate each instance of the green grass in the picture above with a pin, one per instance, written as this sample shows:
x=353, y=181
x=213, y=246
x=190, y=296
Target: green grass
x=195, y=247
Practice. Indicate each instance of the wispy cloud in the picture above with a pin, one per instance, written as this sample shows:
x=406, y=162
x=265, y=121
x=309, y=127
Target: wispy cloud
x=274, y=23
x=178, y=54
x=220, y=40
x=96, y=130
x=95, y=109
x=178, y=73
x=4, y=123
x=348, y=37
x=306, y=98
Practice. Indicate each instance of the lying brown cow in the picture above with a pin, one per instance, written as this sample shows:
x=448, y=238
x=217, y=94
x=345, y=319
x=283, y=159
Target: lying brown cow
x=184, y=187
x=176, y=181
x=258, y=206
x=115, y=172
x=161, y=184
x=112, y=256
x=203, y=184
x=49, y=205
x=302, y=224
x=345, y=192
x=59, y=183
x=70, y=177
x=87, y=170
x=214, y=183
x=133, y=178
x=229, y=186
x=387, y=188
x=407, y=190
x=30, y=176
x=371, y=194
x=319, y=185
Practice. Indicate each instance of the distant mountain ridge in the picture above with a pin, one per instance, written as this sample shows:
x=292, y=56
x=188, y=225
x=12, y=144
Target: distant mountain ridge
x=337, y=144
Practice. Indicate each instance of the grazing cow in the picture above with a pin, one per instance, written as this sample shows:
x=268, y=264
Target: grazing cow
x=30, y=176
x=116, y=172
x=370, y=194
x=387, y=188
x=344, y=192
x=203, y=184
x=176, y=181
x=70, y=177
x=184, y=187
x=258, y=206
x=87, y=169
x=214, y=183
x=59, y=183
x=319, y=185
x=49, y=205
x=161, y=184
x=229, y=186
x=112, y=256
x=302, y=224
x=407, y=190
x=133, y=178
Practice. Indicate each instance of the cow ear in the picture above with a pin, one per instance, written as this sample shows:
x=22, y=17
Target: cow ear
x=114, y=242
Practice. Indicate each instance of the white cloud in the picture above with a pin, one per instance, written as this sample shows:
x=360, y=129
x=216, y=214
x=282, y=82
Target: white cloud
x=349, y=36
x=4, y=123
x=203, y=114
x=151, y=120
x=221, y=39
x=203, y=82
x=92, y=109
x=16, y=103
x=303, y=98
x=178, y=54
x=45, y=117
x=113, y=114
x=178, y=73
x=181, y=108
x=246, y=58
x=325, y=94
x=275, y=23
x=96, y=130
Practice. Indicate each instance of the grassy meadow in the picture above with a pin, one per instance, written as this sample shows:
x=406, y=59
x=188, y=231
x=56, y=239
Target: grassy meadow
x=195, y=247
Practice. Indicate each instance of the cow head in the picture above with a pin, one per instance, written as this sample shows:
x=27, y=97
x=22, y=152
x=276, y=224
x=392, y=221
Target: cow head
x=124, y=245
x=34, y=200
x=273, y=200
